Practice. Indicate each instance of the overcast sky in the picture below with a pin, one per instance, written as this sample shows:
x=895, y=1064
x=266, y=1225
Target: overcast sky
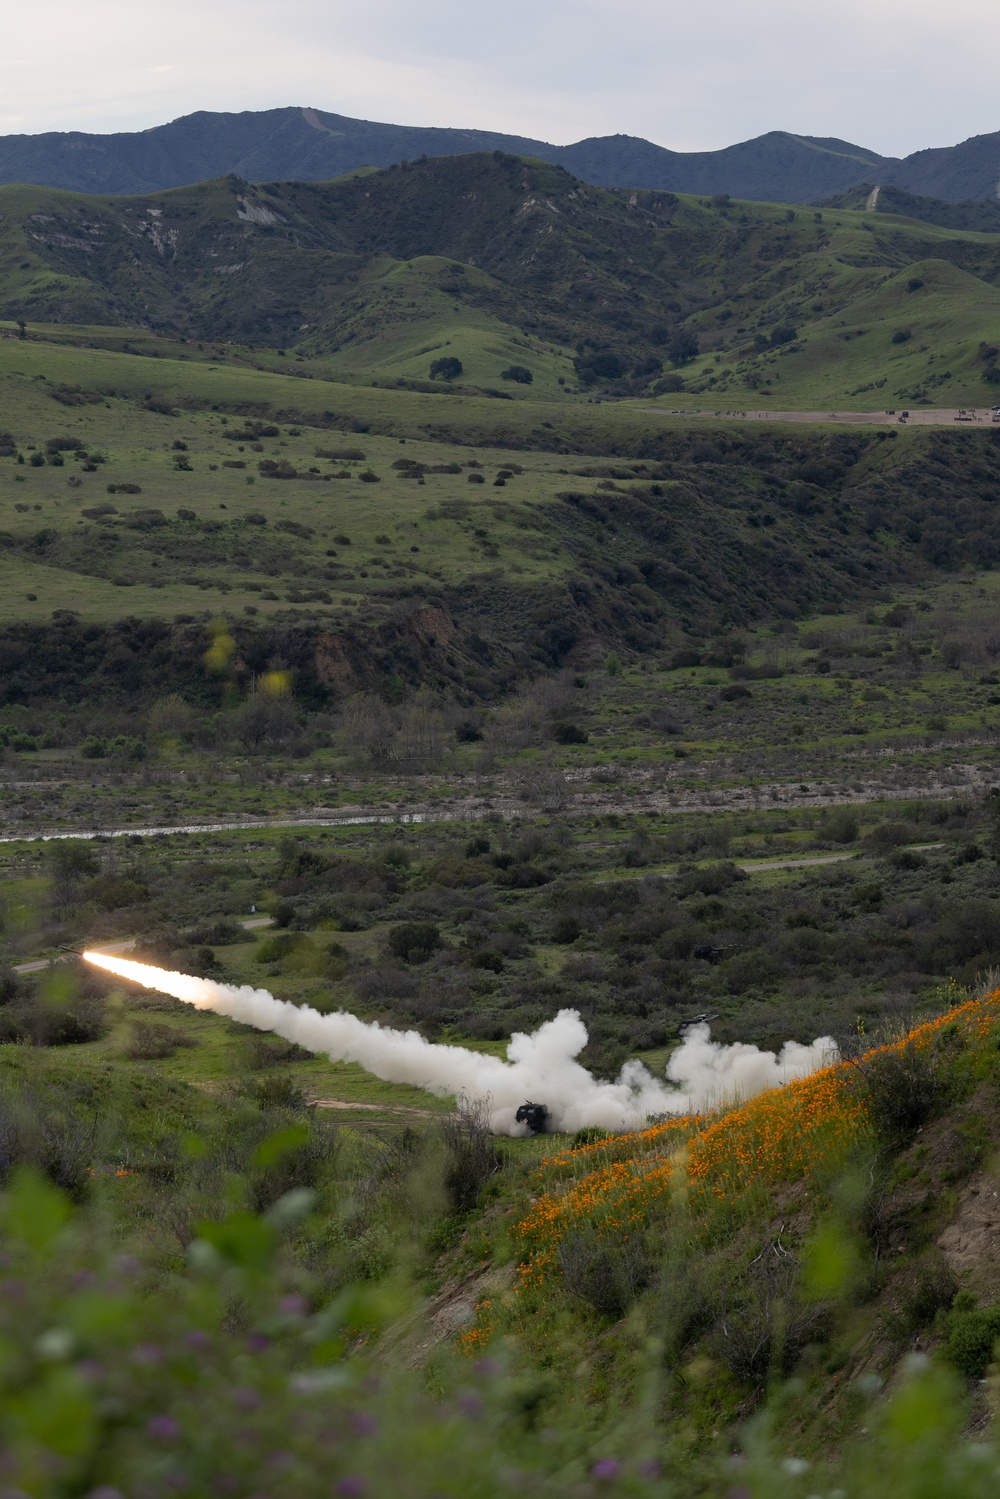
x=892, y=75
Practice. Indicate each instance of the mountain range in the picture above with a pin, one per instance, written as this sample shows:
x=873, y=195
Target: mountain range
x=301, y=144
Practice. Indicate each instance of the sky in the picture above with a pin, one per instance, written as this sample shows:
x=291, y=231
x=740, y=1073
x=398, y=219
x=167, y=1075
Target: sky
x=892, y=75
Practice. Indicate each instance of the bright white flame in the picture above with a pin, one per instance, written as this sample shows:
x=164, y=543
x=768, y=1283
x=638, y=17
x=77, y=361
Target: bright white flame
x=540, y=1067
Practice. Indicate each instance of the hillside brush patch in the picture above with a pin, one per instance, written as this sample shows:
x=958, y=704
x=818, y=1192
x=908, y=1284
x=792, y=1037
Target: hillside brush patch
x=613, y=1189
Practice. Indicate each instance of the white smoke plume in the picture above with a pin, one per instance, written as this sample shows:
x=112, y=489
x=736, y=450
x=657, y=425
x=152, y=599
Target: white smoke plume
x=540, y=1068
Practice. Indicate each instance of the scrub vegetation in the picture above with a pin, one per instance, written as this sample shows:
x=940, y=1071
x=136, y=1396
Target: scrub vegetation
x=391, y=618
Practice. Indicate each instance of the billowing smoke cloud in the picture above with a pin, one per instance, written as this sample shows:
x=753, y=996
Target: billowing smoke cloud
x=541, y=1067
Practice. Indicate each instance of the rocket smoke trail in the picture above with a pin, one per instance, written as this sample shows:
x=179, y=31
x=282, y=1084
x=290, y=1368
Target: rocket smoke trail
x=541, y=1067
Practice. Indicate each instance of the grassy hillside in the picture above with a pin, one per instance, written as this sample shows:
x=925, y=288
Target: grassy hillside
x=816, y=1265
x=371, y=277
x=385, y=538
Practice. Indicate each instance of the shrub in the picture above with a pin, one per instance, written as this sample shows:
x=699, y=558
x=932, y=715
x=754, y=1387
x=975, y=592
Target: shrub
x=903, y=1086
x=566, y=930
x=902, y=336
x=52, y=1021
x=446, y=368
x=414, y=941
x=150, y=1042
x=369, y=476
x=602, y=365
x=972, y=1336
x=472, y=1153
x=569, y=733
x=839, y=826
x=607, y=1276
x=273, y=949
x=116, y=892
x=520, y=373
x=785, y=333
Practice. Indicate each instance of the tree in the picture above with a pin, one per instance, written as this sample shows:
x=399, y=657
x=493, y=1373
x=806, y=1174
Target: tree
x=446, y=368
x=600, y=365
x=68, y=861
x=369, y=730
x=684, y=346
x=517, y=372
x=22, y=328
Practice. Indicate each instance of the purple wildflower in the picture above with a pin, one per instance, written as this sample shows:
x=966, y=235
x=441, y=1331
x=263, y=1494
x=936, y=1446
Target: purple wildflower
x=363, y=1424
x=150, y=1354
x=351, y=1487
x=247, y=1400
x=197, y=1339
x=294, y=1305
x=606, y=1468
x=163, y=1428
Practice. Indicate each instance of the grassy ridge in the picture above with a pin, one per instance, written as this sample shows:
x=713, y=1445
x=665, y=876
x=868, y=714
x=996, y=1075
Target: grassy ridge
x=369, y=277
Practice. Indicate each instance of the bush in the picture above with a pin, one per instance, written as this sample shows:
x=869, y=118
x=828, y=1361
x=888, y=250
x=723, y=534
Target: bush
x=274, y=949
x=39, y=1020
x=446, y=368
x=517, y=372
x=902, y=1087
x=603, y=365
x=973, y=1334
x=472, y=1153
x=608, y=1276
x=785, y=333
x=150, y=1042
x=839, y=826
x=902, y=336
x=569, y=733
x=414, y=941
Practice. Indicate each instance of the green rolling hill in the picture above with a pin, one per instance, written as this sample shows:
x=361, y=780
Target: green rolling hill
x=499, y=260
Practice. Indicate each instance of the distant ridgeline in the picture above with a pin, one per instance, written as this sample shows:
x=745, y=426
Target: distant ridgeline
x=313, y=145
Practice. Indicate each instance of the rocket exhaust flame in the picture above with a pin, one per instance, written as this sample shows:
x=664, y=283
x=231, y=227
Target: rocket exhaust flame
x=701, y=1073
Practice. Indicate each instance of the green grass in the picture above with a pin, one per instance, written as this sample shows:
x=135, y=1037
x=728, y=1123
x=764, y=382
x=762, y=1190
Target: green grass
x=364, y=280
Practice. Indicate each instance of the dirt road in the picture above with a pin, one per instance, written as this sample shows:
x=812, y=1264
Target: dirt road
x=980, y=416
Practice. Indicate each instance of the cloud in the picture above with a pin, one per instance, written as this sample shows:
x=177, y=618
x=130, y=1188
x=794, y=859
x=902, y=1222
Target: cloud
x=894, y=75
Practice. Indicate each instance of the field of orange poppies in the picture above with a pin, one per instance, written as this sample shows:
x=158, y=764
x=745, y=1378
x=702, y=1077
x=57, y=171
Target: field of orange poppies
x=617, y=1187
